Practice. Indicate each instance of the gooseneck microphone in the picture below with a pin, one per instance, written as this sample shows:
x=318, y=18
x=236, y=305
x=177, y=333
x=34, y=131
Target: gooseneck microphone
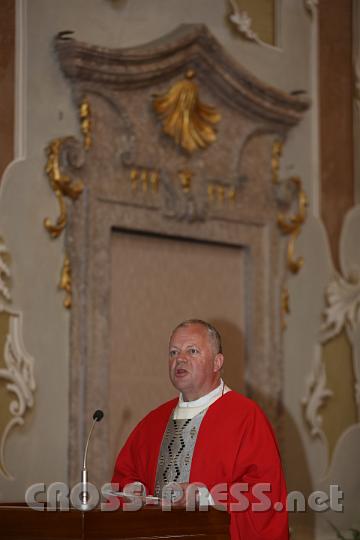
x=97, y=416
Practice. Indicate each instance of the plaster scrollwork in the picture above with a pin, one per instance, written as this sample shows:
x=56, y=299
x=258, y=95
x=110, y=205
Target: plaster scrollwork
x=316, y=394
x=342, y=311
x=243, y=22
x=19, y=376
x=16, y=366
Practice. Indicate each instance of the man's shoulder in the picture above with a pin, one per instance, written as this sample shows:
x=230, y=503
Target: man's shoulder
x=244, y=406
x=234, y=398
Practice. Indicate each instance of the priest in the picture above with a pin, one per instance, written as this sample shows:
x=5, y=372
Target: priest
x=209, y=436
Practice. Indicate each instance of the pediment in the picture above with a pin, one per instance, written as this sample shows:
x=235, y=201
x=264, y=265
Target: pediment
x=187, y=47
x=220, y=146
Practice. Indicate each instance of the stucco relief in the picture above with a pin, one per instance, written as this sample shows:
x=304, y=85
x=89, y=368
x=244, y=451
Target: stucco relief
x=243, y=15
x=341, y=313
x=17, y=382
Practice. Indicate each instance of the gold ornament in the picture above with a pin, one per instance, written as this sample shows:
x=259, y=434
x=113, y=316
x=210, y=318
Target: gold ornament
x=185, y=118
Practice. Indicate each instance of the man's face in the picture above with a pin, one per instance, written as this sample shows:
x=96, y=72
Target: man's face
x=193, y=365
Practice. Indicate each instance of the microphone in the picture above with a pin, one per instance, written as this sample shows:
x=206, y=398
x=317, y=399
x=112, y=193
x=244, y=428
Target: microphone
x=97, y=416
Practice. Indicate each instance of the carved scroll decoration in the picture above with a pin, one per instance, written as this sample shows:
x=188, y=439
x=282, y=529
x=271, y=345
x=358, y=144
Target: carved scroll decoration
x=316, y=394
x=342, y=311
x=242, y=21
x=185, y=118
x=66, y=149
x=16, y=365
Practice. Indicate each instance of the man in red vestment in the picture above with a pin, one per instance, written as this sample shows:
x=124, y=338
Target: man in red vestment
x=211, y=436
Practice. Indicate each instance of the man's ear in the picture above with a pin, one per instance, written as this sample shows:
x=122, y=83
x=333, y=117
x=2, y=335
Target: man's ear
x=218, y=362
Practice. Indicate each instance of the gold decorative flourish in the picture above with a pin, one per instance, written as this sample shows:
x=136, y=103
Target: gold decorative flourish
x=292, y=226
x=277, y=149
x=147, y=178
x=231, y=194
x=133, y=179
x=144, y=181
x=185, y=180
x=154, y=181
x=85, y=118
x=65, y=282
x=185, y=118
x=285, y=306
x=218, y=192
x=289, y=225
x=62, y=186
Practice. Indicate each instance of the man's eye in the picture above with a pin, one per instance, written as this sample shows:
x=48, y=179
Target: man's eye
x=193, y=350
x=172, y=353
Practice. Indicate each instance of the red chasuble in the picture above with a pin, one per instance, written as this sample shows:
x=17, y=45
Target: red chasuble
x=236, y=446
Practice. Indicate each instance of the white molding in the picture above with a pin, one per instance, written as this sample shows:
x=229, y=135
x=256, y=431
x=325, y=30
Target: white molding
x=19, y=376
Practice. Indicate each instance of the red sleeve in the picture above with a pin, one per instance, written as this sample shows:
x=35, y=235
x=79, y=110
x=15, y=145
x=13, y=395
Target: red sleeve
x=258, y=465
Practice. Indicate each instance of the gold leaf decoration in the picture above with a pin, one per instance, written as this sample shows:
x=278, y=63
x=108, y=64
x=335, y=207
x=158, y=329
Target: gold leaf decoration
x=85, y=118
x=291, y=225
x=185, y=118
x=65, y=282
x=62, y=185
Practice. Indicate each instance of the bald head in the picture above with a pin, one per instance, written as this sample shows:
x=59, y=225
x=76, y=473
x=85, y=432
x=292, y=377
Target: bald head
x=213, y=333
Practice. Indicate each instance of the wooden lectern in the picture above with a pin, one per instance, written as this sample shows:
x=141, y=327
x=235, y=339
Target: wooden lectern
x=19, y=522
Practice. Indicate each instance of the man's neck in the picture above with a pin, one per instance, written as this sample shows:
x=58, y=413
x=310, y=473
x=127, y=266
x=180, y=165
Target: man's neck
x=194, y=397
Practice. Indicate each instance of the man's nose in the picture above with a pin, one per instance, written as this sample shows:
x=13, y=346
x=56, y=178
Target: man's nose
x=182, y=357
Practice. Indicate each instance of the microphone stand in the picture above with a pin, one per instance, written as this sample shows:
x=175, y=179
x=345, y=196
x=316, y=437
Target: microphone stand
x=97, y=416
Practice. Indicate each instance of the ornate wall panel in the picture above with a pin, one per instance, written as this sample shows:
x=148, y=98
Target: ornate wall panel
x=182, y=141
x=17, y=382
